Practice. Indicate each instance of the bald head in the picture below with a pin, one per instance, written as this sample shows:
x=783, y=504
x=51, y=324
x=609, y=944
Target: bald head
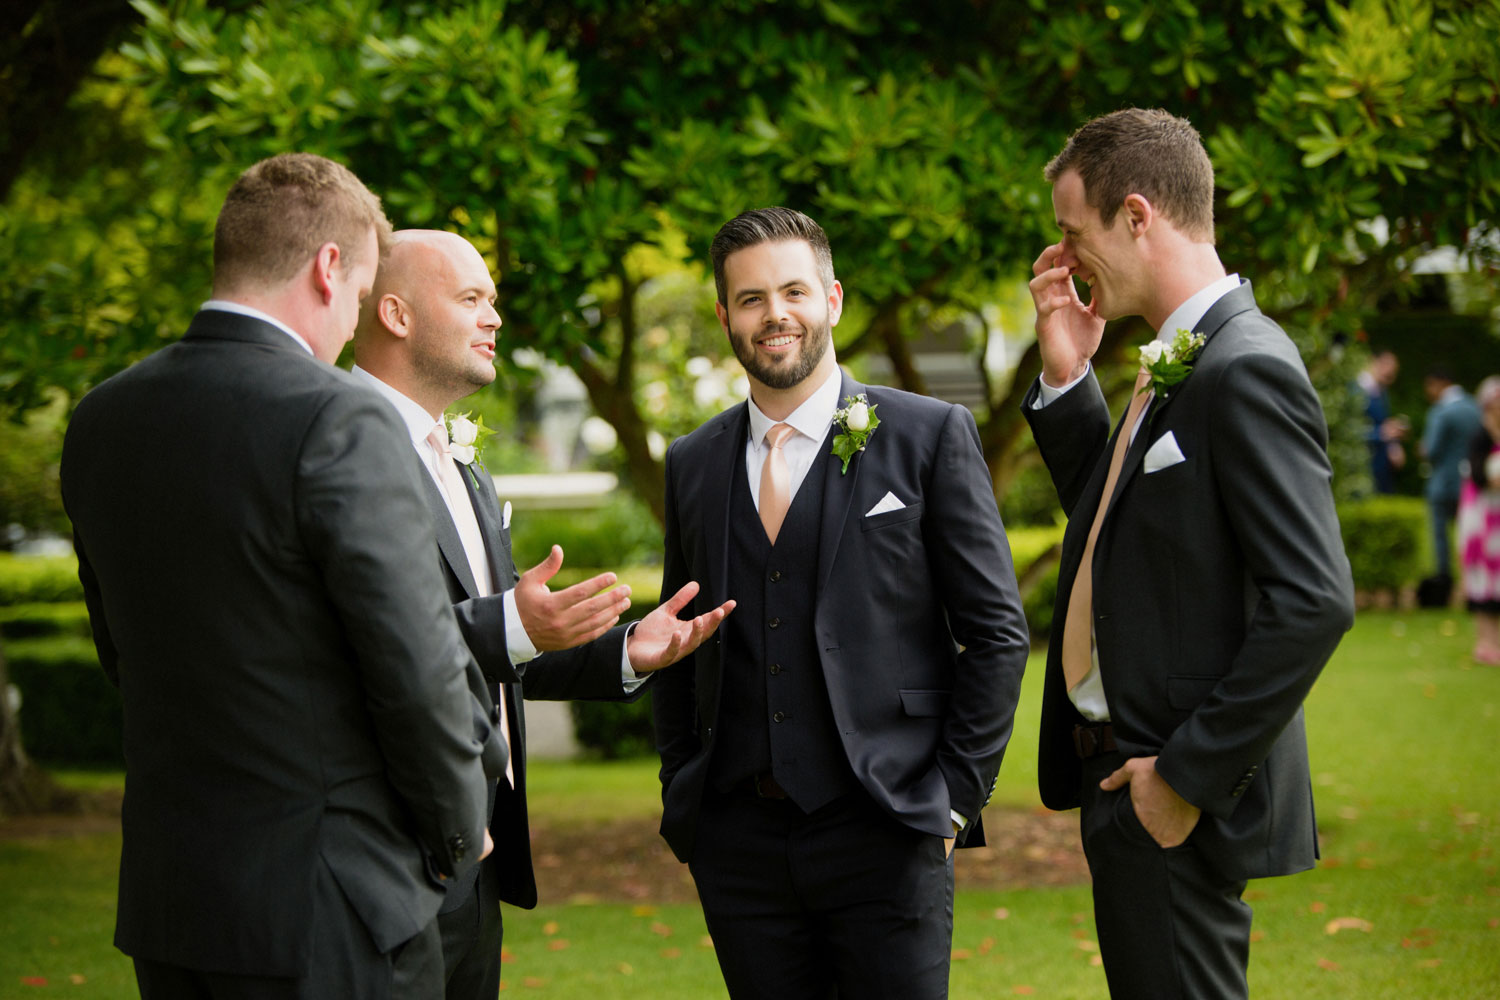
x=428, y=327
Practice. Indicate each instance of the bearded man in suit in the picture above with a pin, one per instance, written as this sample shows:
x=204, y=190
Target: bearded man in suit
x=820, y=758
x=426, y=339
x=303, y=758
x=1203, y=583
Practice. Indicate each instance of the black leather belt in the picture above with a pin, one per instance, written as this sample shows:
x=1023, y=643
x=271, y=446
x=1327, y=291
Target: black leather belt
x=1092, y=740
x=762, y=786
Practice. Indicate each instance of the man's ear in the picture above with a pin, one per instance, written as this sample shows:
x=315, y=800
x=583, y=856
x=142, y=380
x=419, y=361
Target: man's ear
x=723, y=315
x=1139, y=214
x=835, y=303
x=325, y=271
x=394, y=314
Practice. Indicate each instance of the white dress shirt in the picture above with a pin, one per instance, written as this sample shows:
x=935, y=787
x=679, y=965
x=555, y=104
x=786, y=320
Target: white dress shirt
x=1088, y=694
x=224, y=305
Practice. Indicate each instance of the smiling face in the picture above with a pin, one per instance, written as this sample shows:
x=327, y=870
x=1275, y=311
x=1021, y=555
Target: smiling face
x=453, y=321
x=1106, y=258
x=779, y=318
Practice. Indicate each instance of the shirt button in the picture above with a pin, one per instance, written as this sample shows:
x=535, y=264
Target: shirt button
x=775, y=575
x=779, y=717
x=774, y=623
x=775, y=669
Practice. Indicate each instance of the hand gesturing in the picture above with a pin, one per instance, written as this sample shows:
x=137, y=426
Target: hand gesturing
x=566, y=618
x=1067, y=331
x=661, y=639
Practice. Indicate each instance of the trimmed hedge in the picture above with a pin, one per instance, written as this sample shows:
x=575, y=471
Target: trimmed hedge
x=31, y=621
x=33, y=579
x=70, y=712
x=1386, y=539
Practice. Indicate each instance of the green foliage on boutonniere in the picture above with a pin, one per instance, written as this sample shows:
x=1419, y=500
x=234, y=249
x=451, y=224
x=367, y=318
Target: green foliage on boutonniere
x=465, y=436
x=1170, y=362
x=857, y=421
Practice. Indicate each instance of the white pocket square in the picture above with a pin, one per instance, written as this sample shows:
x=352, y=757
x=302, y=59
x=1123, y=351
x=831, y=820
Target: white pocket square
x=1163, y=453
x=887, y=503
x=505, y=515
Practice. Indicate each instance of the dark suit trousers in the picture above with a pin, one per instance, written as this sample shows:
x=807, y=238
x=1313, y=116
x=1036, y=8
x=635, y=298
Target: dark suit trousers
x=344, y=963
x=842, y=902
x=1170, y=926
x=472, y=935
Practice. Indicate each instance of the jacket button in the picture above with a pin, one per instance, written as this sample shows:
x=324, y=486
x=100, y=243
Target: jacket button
x=779, y=717
x=775, y=575
x=457, y=846
x=775, y=669
x=774, y=623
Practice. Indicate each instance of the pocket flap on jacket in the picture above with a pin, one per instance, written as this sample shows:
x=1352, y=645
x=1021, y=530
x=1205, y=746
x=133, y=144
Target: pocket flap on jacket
x=925, y=703
x=1188, y=692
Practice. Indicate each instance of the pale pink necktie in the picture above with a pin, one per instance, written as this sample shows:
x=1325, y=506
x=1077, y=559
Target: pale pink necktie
x=775, y=481
x=473, y=542
x=1078, y=632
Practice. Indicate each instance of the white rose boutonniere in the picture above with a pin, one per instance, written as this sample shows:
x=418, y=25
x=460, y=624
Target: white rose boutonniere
x=857, y=421
x=1170, y=363
x=465, y=435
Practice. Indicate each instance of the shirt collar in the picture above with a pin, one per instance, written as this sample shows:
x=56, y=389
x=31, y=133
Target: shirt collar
x=419, y=422
x=812, y=418
x=1187, y=315
x=224, y=305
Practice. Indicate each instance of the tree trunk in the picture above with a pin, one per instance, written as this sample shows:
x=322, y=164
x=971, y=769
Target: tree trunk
x=24, y=788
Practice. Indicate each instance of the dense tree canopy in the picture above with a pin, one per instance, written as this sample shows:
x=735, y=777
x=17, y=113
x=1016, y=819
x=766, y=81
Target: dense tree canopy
x=589, y=147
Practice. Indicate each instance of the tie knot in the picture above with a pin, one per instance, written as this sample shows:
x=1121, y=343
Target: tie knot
x=777, y=435
x=438, y=438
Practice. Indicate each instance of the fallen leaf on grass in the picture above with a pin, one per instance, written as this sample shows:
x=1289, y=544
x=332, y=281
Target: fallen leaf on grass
x=549, y=928
x=986, y=946
x=534, y=982
x=1317, y=906
x=1256, y=936
x=1429, y=963
x=625, y=969
x=1097, y=960
x=1331, y=863
x=671, y=952
x=1002, y=914
x=507, y=956
x=643, y=911
x=1494, y=922
x=1078, y=918
x=1088, y=946
x=33, y=980
x=1365, y=864
x=961, y=954
x=557, y=944
x=1348, y=924
x=705, y=941
x=1429, y=691
x=77, y=980
x=661, y=929
x=1349, y=812
x=1329, y=965
x=1080, y=933
x=1024, y=991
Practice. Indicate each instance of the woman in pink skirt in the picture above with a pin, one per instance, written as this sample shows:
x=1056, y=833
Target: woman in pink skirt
x=1479, y=526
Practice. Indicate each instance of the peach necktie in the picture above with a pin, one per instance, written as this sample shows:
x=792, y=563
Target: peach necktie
x=1078, y=630
x=473, y=541
x=775, y=481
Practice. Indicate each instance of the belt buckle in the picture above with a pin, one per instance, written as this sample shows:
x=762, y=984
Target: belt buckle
x=1086, y=741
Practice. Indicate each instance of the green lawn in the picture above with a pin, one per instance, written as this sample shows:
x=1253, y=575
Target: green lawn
x=1409, y=805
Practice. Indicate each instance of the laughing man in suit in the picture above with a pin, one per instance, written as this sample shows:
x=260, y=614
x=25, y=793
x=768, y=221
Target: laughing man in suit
x=426, y=339
x=821, y=756
x=1203, y=583
x=302, y=756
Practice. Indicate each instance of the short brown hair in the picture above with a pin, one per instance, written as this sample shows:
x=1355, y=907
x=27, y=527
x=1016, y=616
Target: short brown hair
x=768, y=225
x=281, y=210
x=1151, y=153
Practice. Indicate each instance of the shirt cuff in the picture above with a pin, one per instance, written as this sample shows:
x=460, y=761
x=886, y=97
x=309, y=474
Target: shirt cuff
x=629, y=679
x=1046, y=394
x=517, y=643
x=958, y=819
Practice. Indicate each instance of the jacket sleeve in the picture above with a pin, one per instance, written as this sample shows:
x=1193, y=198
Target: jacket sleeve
x=367, y=527
x=971, y=564
x=1071, y=432
x=1271, y=468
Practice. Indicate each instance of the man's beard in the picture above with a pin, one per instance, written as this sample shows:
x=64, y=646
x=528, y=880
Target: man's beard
x=788, y=373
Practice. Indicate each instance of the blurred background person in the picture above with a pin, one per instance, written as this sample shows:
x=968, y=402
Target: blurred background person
x=1479, y=525
x=1452, y=422
x=1387, y=455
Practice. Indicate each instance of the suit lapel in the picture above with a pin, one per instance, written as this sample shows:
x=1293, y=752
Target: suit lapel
x=1228, y=306
x=487, y=512
x=838, y=493
x=447, y=534
x=725, y=450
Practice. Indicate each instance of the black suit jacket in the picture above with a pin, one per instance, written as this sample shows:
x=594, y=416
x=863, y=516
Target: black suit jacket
x=918, y=622
x=590, y=672
x=256, y=561
x=1220, y=587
